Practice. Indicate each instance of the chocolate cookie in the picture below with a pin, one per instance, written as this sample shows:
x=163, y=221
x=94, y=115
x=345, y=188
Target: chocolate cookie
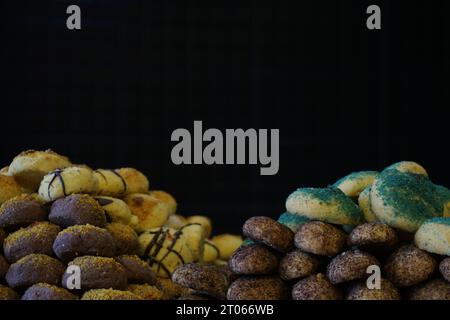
x=320, y=238
x=83, y=240
x=125, y=238
x=44, y=291
x=33, y=269
x=374, y=236
x=315, y=287
x=387, y=291
x=269, y=232
x=437, y=289
x=7, y=293
x=138, y=271
x=350, y=265
x=253, y=259
x=444, y=268
x=257, y=288
x=21, y=211
x=297, y=264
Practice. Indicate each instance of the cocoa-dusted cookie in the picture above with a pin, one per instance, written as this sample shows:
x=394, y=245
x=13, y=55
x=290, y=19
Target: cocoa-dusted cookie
x=320, y=238
x=36, y=238
x=33, y=269
x=253, y=259
x=170, y=289
x=373, y=236
x=146, y=291
x=7, y=293
x=409, y=265
x=205, y=279
x=437, y=289
x=4, y=266
x=44, y=291
x=258, y=288
x=109, y=294
x=83, y=240
x=269, y=232
x=21, y=211
x=138, y=271
x=77, y=209
x=125, y=238
x=350, y=265
x=444, y=268
x=315, y=287
x=387, y=291
x=97, y=273
x=297, y=264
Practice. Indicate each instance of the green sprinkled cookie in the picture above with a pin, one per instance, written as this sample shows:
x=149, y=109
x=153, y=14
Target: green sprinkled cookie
x=408, y=167
x=292, y=221
x=354, y=183
x=434, y=236
x=364, y=205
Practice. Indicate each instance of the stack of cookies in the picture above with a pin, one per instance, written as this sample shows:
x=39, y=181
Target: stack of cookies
x=370, y=236
x=59, y=220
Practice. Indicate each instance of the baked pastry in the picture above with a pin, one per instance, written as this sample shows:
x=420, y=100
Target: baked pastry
x=434, y=236
x=7, y=293
x=350, y=265
x=364, y=205
x=297, y=264
x=320, y=238
x=36, y=238
x=170, y=289
x=63, y=182
x=146, y=291
x=137, y=270
x=409, y=167
x=117, y=211
x=387, y=291
x=374, y=236
x=109, y=294
x=136, y=181
x=269, y=232
x=195, y=238
x=226, y=244
x=436, y=289
x=21, y=211
x=110, y=183
x=253, y=259
x=151, y=212
x=166, y=198
x=257, y=288
x=315, y=287
x=29, y=167
x=77, y=209
x=326, y=204
x=44, y=291
x=175, y=221
x=204, y=221
x=444, y=268
x=125, y=238
x=210, y=251
x=83, y=240
x=292, y=221
x=353, y=184
x=9, y=188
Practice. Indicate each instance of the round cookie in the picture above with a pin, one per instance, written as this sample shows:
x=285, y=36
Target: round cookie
x=63, y=182
x=437, y=289
x=374, y=236
x=136, y=181
x=4, y=266
x=408, y=266
x=326, y=204
x=226, y=244
x=253, y=259
x=434, y=236
x=166, y=198
x=194, y=234
x=315, y=287
x=205, y=222
x=109, y=294
x=9, y=188
x=29, y=167
x=257, y=288
x=98, y=273
x=350, y=265
x=353, y=184
x=269, y=232
x=205, y=279
x=146, y=291
x=387, y=291
x=165, y=249
x=7, y=293
x=44, y=291
x=117, y=211
x=292, y=221
x=36, y=238
x=175, y=221
x=137, y=270
x=151, y=212
x=404, y=200
x=408, y=167
x=364, y=205
x=125, y=238
x=77, y=209
x=21, y=211
x=320, y=238
x=83, y=240
x=297, y=264
x=444, y=194
x=210, y=251
x=444, y=268
x=33, y=269
x=110, y=183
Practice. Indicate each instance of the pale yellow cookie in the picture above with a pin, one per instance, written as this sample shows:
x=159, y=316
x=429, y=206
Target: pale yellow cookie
x=136, y=181
x=434, y=236
x=353, y=184
x=210, y=251
x=110, y=183
x=408, y=167
x=117, y=211
x=151, y=211
x=9, y=188
x=195, y=237
x=165, y=197
x=176, y=221
x=364, y=205
x=227, y=244
x=204, y=221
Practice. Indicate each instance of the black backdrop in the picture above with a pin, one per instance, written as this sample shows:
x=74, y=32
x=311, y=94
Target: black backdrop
x=344, y=98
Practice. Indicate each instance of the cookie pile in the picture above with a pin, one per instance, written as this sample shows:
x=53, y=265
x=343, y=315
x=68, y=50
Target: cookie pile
x=124, y=240
x=332, y=240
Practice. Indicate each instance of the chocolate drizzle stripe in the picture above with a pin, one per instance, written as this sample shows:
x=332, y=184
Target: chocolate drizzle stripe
x=152, y=260
x=214, y=247
x=57, y=174
x=172, y=245
x=121, y=178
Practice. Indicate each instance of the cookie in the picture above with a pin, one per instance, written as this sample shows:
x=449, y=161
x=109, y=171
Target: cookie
x=226, y=244
x=117, y=210
x=350, y=265
x=137, y=270
x=83, y=240
x=437, y=289
x=257, y=288
x=9, y=188
x=409, y=167
x=364, y=205
x=404, y=200
x=32, y=269
x=175, y=221
x=320, y=238
x=434, y=236
x=125, y=238
x=64, y=182
x=353, y=184
x=253, y=260
x=166, y=198
x=292, y=221
x=30, y=167
x=269, y=232
x=409, y=266
x=194, y=234
x=97, y=273
x=21, y=211
x=205, y=222
x=151, y=212
x=315, y=287
x=146, y=291
x=170, y=289
x=444, y=268
x=109, y=294
x=110, y=183
x=36, y=238
x=325, y=204
x=77, y=209
x=44, y=291
x=210, y=251
x=387, y=291
x=373, y=237
x=136, y=181
x=7, y=293
x=297, y=264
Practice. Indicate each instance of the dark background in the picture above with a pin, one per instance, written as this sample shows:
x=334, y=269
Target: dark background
x=344, y=98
